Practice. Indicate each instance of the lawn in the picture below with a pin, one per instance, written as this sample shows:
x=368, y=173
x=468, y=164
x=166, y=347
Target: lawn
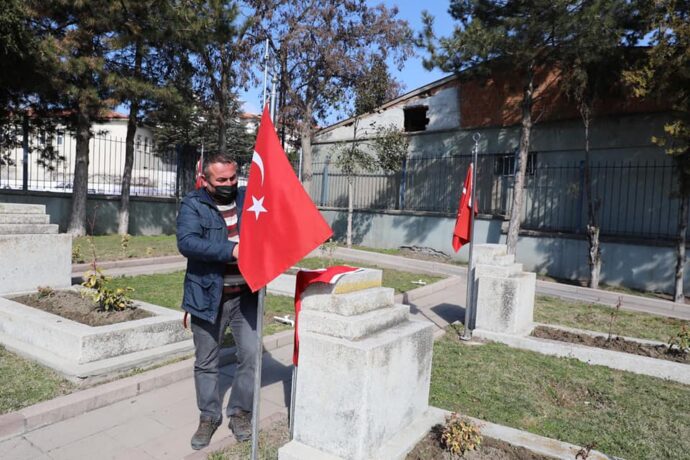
x=623, y=414
x=109, y=247
x=24, y=383
x=594, y=317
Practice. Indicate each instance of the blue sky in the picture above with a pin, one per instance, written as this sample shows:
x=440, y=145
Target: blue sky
x=413, y=75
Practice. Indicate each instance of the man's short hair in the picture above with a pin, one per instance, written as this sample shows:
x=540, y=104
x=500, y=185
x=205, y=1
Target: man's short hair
x=217, y=157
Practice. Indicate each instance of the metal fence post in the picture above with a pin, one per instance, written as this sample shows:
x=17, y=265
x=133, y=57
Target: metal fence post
x=581, y=197
x=324, y=185
x=25, y=151
x=403, y=179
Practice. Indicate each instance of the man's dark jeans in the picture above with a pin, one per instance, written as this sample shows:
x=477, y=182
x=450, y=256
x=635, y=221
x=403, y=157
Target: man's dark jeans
x=239, y=312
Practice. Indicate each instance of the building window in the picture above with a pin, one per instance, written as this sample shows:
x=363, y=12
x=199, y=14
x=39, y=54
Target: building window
x=415, y=118
x=60, y=137
x=504, y=165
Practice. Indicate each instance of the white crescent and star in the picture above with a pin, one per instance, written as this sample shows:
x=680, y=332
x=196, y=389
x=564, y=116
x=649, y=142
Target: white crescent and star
x=256, y=158
x=257, y=206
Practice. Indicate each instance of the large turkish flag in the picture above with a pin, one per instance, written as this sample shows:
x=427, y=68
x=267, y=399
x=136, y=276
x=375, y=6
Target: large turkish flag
x=280, y=224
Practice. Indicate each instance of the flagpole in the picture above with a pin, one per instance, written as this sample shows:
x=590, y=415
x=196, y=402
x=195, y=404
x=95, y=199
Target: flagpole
x=257, y=372
x=263, y=100
x=470, y=312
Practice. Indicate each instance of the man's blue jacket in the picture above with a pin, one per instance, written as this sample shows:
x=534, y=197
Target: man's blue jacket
x=202, y=237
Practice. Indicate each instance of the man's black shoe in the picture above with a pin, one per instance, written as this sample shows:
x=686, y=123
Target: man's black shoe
x=203, y=434
x=241, y=425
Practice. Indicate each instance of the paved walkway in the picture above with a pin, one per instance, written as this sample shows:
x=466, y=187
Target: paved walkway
x=154, y=425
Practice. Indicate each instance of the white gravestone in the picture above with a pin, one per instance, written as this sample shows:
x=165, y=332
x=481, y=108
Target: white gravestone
x=504, y=294
x=364, y=372
x=32, y=253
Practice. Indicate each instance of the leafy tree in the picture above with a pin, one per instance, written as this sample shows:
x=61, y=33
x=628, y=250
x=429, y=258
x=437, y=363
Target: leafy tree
x=384, y=151
x=591, y=70
x=73, y=47
x=322, y=48
x=374, y=87
x=490, y=33
x=137, y=72
x=666, y=75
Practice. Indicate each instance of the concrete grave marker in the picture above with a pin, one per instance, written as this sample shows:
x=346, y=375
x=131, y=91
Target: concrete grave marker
x=32, y=253
x=364, y=372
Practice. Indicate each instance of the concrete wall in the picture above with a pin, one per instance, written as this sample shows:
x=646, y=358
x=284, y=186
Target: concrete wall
x=148, y=216
x=639, y=266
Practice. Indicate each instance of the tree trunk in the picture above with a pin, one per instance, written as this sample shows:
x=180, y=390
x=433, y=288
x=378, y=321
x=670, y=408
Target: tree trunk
x=305, y=140
x=350, y=210
x=593, y=228
x=77, y=220
x=123, y=220
x=679, y=296
x=525, y=134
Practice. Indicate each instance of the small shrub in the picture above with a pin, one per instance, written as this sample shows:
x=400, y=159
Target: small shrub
x=45, y=291
x=107, y=299
x=681, y=340
x=77, y=256
x=149, y=251
x=124, y=243
x=328, y=250
x=614, y=317
x=459, y=436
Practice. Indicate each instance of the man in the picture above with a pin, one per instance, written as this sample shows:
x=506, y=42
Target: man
x=216, y=295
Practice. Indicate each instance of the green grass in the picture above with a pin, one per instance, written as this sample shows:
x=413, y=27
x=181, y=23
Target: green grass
x=109, y=247
x=583, y=315
x=401, y=281
x=628, y=415
x=24, y=383
x=270, y=440
x=166, y=290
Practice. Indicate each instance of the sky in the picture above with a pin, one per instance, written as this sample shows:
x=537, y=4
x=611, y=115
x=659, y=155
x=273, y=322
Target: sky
x=413, y=75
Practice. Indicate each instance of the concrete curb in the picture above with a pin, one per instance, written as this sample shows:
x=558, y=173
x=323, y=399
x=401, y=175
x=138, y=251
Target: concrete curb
x=415, y=294
x=537, y=444
x=74, y=404
x=642, y=365
x=134, y=262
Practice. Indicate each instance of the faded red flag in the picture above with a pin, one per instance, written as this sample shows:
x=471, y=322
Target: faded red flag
x=463, y=231
x=303, y=280
x=280, y=224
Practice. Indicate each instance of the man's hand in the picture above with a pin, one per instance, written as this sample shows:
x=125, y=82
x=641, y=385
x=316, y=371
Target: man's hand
x=236, y=250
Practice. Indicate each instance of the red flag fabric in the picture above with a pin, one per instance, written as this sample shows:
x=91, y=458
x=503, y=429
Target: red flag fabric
x=198, y=182
x=462, y=232
x=306, y=278
x=280, y=224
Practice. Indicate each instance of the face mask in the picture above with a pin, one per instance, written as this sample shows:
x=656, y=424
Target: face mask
x=225, y=194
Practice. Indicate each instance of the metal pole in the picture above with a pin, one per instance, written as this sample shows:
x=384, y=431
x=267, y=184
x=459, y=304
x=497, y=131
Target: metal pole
x=469, y=304
x=263, y=99
x=293, y=390
x=257, y=374
x=274, y=83
x=25, y=153
x=300, y=165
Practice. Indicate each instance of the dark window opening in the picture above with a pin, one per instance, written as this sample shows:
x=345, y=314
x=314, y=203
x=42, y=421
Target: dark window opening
x=506, y=165
x=415, y=118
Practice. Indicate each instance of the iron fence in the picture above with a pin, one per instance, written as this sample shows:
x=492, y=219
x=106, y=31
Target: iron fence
x=631, y=198
x=40, y=161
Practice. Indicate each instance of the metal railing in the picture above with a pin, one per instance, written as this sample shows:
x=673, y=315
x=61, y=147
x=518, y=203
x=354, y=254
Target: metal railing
x=631, y=198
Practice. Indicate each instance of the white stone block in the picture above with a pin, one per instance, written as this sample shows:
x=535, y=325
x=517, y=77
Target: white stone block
x=352, y=328
x=353, y=303
x=28, y=229
x=21, y=208
x=352, y=397
x=506, y=305
x=364, y=279
x=30, y=261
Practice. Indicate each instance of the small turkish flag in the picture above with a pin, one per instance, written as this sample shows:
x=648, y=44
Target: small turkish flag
x=462, y=232
x=304, y=279
x=280, y=224
x=198, y=181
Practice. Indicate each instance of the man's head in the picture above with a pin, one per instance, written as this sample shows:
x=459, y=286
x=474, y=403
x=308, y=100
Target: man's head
x=220, y=177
